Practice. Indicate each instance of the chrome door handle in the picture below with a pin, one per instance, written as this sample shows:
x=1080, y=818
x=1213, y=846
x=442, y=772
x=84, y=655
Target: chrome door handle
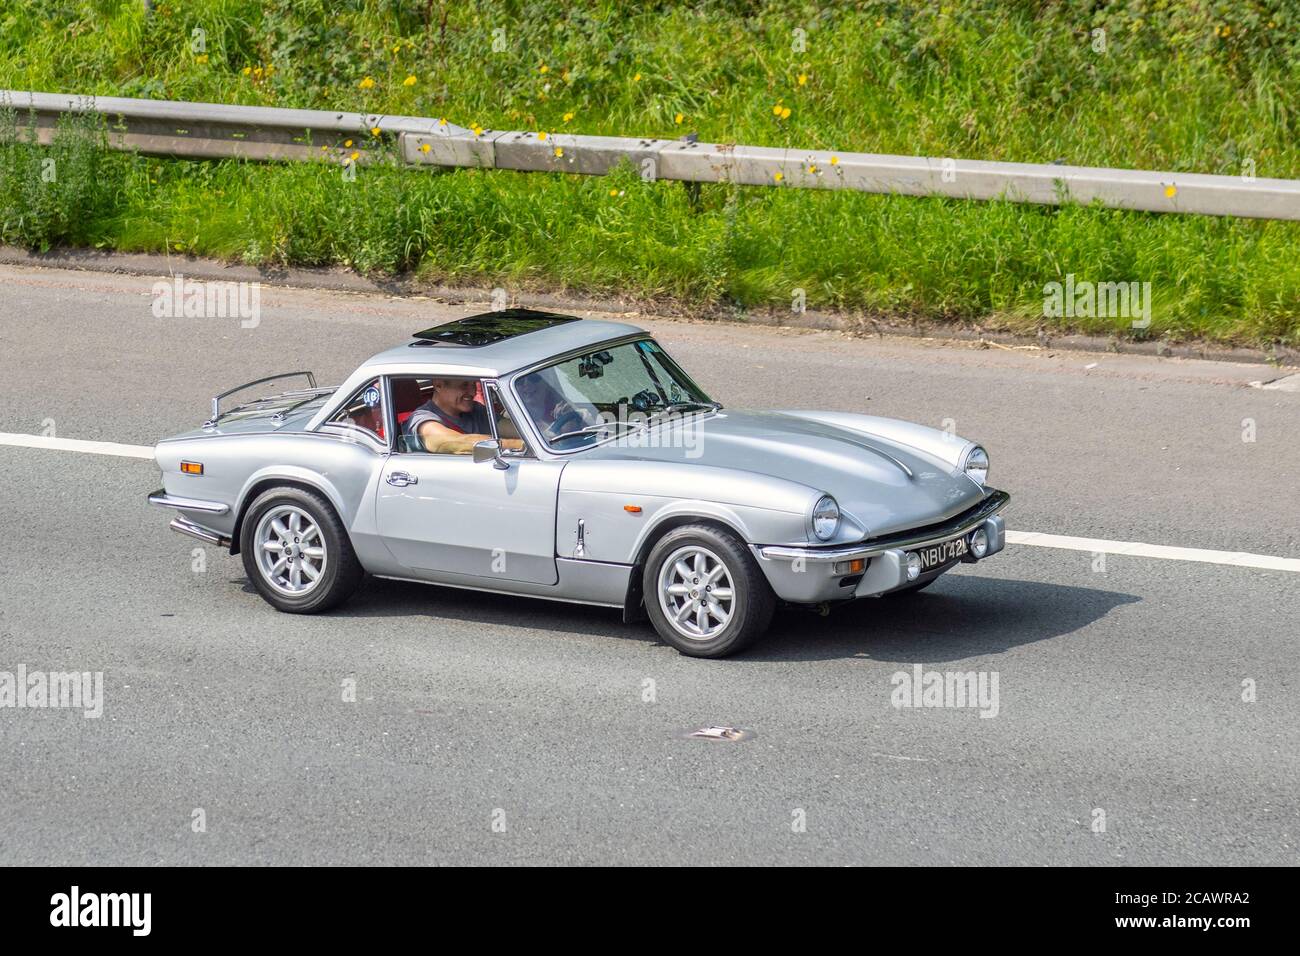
x=402, y=479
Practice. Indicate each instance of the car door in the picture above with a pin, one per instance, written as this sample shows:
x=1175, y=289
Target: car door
x=445, y=514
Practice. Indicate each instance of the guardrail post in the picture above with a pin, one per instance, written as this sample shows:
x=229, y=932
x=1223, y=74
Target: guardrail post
x=692, y=186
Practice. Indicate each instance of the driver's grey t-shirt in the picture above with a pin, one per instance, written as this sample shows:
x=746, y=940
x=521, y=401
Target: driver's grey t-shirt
x=473, y=422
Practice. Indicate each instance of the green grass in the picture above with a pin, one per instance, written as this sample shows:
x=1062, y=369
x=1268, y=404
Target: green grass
x=1207, y=86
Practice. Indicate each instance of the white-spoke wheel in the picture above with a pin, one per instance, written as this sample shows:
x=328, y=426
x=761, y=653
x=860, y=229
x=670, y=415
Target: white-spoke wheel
x=290, y=550
x=696, y=593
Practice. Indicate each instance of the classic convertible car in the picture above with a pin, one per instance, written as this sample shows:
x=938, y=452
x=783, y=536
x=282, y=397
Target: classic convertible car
x=536, y=454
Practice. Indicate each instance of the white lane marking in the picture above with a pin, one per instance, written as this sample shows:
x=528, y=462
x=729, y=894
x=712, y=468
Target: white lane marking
x=76, y=444
x=1035, y=539
x=900, y=757
x=1137, y=549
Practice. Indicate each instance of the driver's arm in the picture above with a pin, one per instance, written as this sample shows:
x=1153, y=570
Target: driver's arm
x=438, y=439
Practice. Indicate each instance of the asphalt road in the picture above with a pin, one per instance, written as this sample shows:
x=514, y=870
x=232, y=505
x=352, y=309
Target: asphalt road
x=488, y=729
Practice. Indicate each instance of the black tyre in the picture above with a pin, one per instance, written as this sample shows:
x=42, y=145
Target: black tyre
x=705, y=593
x=297, y=553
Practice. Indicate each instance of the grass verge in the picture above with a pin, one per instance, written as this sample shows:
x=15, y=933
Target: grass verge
x=1178, y=85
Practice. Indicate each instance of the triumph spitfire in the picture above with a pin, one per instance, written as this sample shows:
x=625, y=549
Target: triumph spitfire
x=544, y=455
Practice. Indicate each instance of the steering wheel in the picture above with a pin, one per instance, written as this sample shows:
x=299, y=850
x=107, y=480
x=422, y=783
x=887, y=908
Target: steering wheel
x=571, y=420
x=646, y=399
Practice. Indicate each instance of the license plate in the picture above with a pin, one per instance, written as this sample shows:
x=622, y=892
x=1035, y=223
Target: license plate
x=937, y=555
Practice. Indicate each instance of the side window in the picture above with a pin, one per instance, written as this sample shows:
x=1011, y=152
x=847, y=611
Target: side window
x=440, y=415
x=364, y=411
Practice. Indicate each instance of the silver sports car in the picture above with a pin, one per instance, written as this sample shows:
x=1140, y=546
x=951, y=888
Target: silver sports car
x=537, y=454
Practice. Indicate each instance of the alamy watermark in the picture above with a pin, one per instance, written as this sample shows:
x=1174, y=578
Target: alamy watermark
x=1099, y=300
x=922, y=688
x=74, y=690
x=193, y=299
x=128, y=910
x=632, y=428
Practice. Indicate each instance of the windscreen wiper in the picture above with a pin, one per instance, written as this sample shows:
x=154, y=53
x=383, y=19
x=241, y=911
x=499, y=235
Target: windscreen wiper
x=590, y=429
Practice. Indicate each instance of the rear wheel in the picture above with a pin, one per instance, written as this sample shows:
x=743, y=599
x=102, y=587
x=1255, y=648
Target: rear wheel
x=296, y=552
x=704, y=592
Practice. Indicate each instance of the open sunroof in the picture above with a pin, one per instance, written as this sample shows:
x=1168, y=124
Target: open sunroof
x=487, y=328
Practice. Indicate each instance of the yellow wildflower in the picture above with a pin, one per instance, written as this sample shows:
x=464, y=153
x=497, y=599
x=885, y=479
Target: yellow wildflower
x=409, y=81
x=366, y=84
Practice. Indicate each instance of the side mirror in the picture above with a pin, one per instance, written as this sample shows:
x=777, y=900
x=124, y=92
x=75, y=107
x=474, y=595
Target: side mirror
x=489, y=450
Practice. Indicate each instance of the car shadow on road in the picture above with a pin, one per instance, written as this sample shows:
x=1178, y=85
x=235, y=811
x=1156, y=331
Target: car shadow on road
x=957, y=618
x=384, y=597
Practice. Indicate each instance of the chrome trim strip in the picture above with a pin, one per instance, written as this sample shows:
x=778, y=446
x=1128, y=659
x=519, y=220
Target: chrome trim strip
x=521, y=594
x=994, y=503
x=907, y=471
x=164, y=500
x=203, y=534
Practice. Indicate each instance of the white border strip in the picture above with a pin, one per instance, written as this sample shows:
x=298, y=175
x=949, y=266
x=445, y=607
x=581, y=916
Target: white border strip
x=75, y=444
x=1136, y=549
x=1239, y=559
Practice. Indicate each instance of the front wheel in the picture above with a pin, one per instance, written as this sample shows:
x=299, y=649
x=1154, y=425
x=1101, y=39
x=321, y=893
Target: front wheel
x=296, y=552
x=704, y=592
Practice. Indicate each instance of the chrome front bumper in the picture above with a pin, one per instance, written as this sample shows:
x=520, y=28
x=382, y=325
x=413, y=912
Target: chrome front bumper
x=164, y=500
x=197, y=506
x=808, y=575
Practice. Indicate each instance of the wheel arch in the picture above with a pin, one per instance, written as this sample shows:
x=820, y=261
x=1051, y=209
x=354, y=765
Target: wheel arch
x=633, y=601
x=261, y=484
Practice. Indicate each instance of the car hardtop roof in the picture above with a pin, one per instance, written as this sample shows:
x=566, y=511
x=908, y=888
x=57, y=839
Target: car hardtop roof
x=501, y=342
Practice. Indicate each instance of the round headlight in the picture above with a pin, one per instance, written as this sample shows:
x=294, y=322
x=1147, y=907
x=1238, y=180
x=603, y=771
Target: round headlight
x=913, y=565
x=825, y=518
x=979, y=542
x=977, y=464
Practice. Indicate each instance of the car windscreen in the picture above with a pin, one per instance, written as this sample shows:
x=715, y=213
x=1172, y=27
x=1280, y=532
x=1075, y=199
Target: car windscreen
x=598, y=395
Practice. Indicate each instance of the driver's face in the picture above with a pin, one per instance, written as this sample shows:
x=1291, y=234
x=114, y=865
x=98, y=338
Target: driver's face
x=456, y=395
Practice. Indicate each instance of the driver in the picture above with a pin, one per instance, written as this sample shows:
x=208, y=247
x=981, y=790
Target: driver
x=451, y=422
x=549, y=409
